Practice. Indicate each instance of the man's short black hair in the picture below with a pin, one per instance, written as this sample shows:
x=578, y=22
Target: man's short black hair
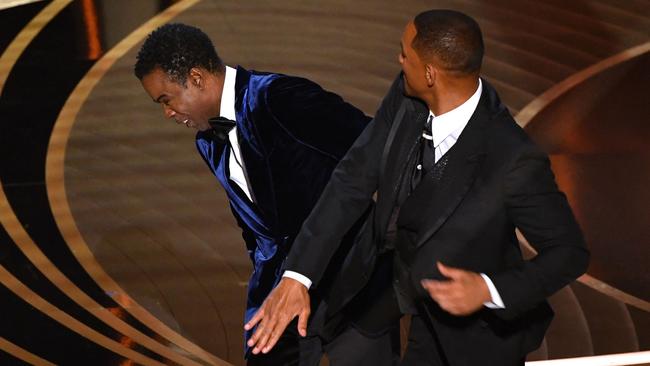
x=451, y=37
x=176, y=48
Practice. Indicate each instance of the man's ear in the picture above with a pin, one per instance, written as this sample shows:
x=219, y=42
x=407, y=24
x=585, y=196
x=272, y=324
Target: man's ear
x=196, y=77
x=430, y=74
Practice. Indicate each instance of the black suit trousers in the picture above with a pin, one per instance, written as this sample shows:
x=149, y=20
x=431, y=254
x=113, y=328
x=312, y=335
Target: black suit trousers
x=423, y=347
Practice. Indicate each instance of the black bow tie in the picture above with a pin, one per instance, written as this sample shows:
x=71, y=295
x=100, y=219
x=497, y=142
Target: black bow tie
x=220, y=127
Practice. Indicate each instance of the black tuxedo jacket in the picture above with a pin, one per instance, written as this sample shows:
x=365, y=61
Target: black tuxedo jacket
x=496, y=180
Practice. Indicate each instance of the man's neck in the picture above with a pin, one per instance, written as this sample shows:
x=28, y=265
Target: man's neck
x=450, y=93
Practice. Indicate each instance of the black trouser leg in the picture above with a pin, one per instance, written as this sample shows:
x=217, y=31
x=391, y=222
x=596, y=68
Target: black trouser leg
x=422, y=348
x=353, y=348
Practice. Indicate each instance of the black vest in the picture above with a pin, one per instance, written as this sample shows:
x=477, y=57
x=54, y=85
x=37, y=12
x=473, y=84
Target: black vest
x=407, y=222
x=389, y=292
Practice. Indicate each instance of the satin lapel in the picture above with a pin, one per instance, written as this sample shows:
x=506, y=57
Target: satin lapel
x=403, y=146
x=465, y=160
x=256, y=168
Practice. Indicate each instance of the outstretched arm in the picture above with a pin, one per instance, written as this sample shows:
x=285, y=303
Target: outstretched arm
x=343, y=201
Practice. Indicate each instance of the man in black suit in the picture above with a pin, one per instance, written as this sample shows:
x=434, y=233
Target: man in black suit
x=454, y=175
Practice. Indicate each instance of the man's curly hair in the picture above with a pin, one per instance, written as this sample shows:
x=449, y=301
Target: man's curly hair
x=176, y=48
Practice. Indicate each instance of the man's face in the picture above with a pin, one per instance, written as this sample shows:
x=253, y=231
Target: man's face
x=413, y=67
x=189, y=104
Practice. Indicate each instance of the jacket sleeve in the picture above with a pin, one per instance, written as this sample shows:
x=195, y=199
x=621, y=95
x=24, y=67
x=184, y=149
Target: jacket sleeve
x=542, y=213
x=346, y=196
x=317, y=118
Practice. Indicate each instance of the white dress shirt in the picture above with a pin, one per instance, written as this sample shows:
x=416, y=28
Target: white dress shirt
x=227, y=110
x=446, y=129
x=235, y=162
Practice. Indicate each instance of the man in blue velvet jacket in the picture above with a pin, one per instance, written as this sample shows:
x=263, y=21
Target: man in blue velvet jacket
x=271, y=140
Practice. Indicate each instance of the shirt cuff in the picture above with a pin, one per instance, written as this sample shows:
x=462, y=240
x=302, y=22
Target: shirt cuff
x=298, y=277
x=496, y=302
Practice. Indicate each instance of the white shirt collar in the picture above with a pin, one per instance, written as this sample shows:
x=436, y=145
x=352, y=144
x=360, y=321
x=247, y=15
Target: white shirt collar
x=227, y=108
x=454, y=121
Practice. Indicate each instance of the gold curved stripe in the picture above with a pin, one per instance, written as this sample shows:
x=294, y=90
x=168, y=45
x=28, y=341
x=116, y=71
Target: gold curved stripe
x=597, y=284
x=27, y=245
x=54, y=174
x=613, y=292
x=49, y=270
x=538, y=104
x=618, y=359
x=23, y=354
x=25, y=37
x=6, y=4
x=13, y=226
x=33, y=299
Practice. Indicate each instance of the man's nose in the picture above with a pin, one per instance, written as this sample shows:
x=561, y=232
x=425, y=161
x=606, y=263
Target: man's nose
x=169, y=113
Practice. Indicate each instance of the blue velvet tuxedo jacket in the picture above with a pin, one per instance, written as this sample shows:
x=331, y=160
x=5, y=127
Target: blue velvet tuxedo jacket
x=292, y=134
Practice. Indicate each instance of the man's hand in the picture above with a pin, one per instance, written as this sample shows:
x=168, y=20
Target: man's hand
x=288, y=300
x=463, y=294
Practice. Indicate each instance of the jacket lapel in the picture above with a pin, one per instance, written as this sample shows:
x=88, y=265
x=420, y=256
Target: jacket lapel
x=253, y=155
x=465, y=160
x=401, y=149
x=404, y=144
x=449, y=193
